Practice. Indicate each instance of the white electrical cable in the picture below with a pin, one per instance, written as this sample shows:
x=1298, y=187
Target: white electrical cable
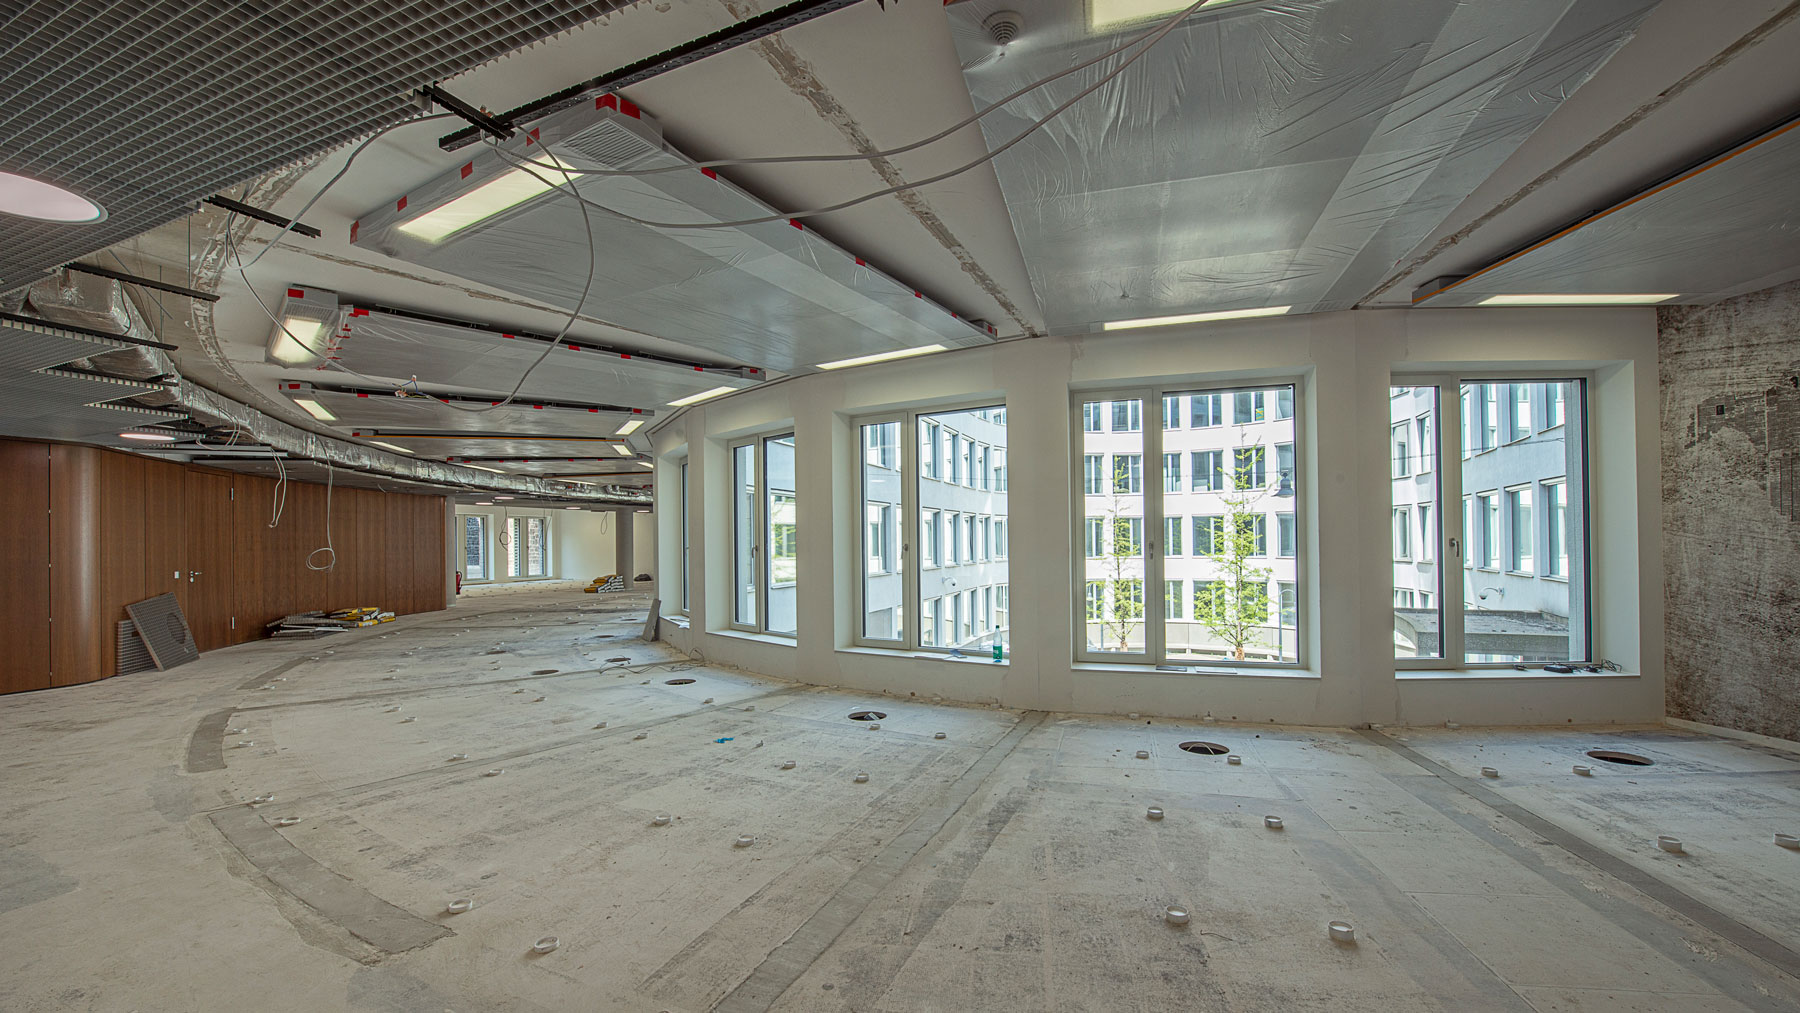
x=326, y=548
x=278, y=502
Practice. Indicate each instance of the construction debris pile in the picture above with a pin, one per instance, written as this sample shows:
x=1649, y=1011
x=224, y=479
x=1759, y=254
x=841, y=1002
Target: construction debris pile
x=309, y=625
x=610, y=582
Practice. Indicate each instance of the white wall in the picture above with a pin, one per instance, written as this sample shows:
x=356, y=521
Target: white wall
x=1345, y=363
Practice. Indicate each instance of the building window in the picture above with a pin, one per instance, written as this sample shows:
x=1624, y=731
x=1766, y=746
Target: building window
x=1128, y=474
x=1288, y=601
x=1490, y=416
x=1253, y=530
x=1249, y=472
x=1096, y=537
x=1518, y=512
x=1096, y=591
x=475, y=565
x=1284, y=469
x=1171, y=412
x=1093, y=474
x=1487, y=528
x=1284, y=403
x=1247, y=407
x=1556, y=551
x=1127, y=416
x=1171, y=472
x=1427, y=449
x=1209, y=535
x=1402, y=533
x=928, y=621
x=1171, y=536
x=1427, y=537
x=1208, y=470
x=1414, y=410
x=931, y=535
x=1128, y=536
x=765, y=536
x=1174, y=605
x=687, y=558
x=1398, y=455
x=1519, y=397
x=1206, y=410
x=1090, y=417
x=1285, y=544
x=1555, y=404
x=883, y=573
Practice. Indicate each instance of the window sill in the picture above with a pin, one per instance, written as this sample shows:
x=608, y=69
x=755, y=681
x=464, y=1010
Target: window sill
x=1113, y=668
x=755, y=638
x=678, y=621
x=890, y=652
x=1464, y=674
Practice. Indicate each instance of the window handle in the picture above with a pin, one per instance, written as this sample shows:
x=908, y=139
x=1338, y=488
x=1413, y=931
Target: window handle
x=1455, y=547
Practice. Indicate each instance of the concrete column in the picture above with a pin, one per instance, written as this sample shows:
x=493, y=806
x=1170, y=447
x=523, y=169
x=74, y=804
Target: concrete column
x=623, y=558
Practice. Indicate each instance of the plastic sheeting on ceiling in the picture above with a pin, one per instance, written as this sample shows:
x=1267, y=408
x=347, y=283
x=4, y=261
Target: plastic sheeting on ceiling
x=1731, y=229
x=1280, y=153
x=446, y=354
x=475, y=445
x=364, y=410
x=774, y=295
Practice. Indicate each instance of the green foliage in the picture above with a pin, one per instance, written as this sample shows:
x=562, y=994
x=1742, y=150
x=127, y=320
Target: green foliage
x=1235, y=607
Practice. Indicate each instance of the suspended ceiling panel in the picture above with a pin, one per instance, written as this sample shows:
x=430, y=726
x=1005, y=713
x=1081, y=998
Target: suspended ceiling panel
x=1732, y=228
x=773, y=295
x=385, y=411
x=1280, y=153
x=28, y=345
x=445, y=354
x=85, y=88
x=442, y=445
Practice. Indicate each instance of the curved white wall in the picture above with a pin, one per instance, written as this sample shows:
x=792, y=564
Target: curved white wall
x=1345, y=362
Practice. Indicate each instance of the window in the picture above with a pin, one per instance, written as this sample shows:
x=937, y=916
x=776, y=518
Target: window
x=931, y=536
x=879, y=448
x=1519, y=396
x=883, y=576
x=1403, y=598
x=1208, y=470
x=765, y=536
x=1414, y=410
x=928, y=456
x=1127, y=416
x=987, y=538
x=1000, y=465
x=530, y=538
x=1090, y=417
x=1093, y=474
x=1223, y=439
x=1288, y=603
x=1490, y=416
x=475, y=547
x=987, y=468
x=970, y=464
x=1427, y=537
x=1398, y=455
x=999, y=538
x=1247, y=407
x=1427, y=449
x=928, y=621
x=1518, y=511
x=1207, y=410
x=687, y=559
x=955, y=443
x=1128, y=473
x=1402, y=533
x=1526, y=598
x=1248, y=470
x=1468, y=418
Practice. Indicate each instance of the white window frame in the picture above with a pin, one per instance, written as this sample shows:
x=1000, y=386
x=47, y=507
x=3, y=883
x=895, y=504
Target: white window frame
x=759, y=542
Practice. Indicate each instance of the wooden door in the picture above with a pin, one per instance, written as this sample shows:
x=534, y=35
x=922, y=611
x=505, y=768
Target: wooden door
x=210, y=601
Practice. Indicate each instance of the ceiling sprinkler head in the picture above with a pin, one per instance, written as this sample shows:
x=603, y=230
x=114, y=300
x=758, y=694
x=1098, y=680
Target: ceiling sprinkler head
x=1004, y=26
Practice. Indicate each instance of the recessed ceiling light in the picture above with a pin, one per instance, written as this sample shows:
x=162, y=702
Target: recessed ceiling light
x=315, y=409
x=571, y=508
x=150, y=437
x=484, y=502
x=702, y=396
x=645, y=464
x=295, y=340
x=630, y=427
x=864, y=360
x=1195, y=318
x=623, y=450
x=391, y=446
x=490, y=469
x=507, y=190
x=34, y=198
x=1575, y=300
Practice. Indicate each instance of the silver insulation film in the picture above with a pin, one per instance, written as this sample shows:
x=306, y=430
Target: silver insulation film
x=1265, y=152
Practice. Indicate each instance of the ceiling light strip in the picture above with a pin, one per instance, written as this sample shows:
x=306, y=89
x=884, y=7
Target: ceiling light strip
x=1680, y=178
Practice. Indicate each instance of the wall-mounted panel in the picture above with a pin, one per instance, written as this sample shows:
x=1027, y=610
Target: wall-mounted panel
x=25, y=557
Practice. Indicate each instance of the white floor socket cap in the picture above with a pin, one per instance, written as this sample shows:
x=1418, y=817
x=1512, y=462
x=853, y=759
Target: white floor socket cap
x=1788, y=841
x=938, y=735
x=1490, y=772
x=246, y=744
x=1584, y=770
x=547, y=944
x=454, y=757
x=660, y=820
x=860, y=778
x=287, y=821
x=459, y=905
x=600, y=725
x=1341, y=932
x=266, y=799
x=787, y=765
x=394, y=709
x=1670, y=844
x=408, y=720
x=234, y=731
x=1175, y=915
x=743, y=841
x=495, y=772
x=707, y=700
x=875, y=726
x=1155, y=813
x=640, y=735
x=1235, y=760
x=1272, y=822
x=1143, y=754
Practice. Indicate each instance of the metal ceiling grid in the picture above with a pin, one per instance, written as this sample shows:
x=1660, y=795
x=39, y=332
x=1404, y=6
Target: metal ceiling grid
x=148, y=107
x=1266, y=154
x=25, y=345
x=445, y=354
x=776, y=294
x=1730, y=229
x=370, y=411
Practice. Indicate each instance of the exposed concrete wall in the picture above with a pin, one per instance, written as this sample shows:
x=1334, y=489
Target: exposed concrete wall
x=1731, y=520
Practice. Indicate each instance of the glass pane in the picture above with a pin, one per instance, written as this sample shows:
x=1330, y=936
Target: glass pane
x=1113, y=523
x=783, y=537
x=743, y=534
x=687, y=578
x=967, y=562
x=1418, y=612
x=474, y=549
x=515, y=540
x=1239, y=560
x=1525, y=592
x=882, y=593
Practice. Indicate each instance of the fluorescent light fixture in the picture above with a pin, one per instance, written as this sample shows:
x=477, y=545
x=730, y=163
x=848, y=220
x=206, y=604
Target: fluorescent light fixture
x=507, y=190
x=702, y=396
x=315, y=409
x=571, y=508
x=47, y=202
x=484, y=502
x=150, y=437
x=295, y=340
x=391, y=446
x=496, y=471
x=864, y=360
x=645, y=464
x=623, y=450
x=1195, y=318
x=1107, y=13
x=1576, y=300
x=630, y=427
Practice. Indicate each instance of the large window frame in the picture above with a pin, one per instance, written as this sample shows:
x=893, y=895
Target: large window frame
x=964, y=540
x=762, y=528
x=1221, y=400
x=1457, y=545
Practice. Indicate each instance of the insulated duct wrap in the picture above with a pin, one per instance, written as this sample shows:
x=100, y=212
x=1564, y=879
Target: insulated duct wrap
x=1264, y=152
x=775, y=295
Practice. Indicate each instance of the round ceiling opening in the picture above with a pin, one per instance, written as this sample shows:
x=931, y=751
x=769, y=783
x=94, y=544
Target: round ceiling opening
x=33, y=198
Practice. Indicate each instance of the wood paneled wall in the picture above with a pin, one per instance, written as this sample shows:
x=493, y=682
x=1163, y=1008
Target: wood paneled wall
x=90, y=530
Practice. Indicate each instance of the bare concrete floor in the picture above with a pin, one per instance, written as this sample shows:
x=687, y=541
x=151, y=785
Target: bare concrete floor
x=1008, y=866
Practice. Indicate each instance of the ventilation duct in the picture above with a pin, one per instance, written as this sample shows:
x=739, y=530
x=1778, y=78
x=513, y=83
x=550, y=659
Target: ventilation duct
x=367, y=408
x=776, y=295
